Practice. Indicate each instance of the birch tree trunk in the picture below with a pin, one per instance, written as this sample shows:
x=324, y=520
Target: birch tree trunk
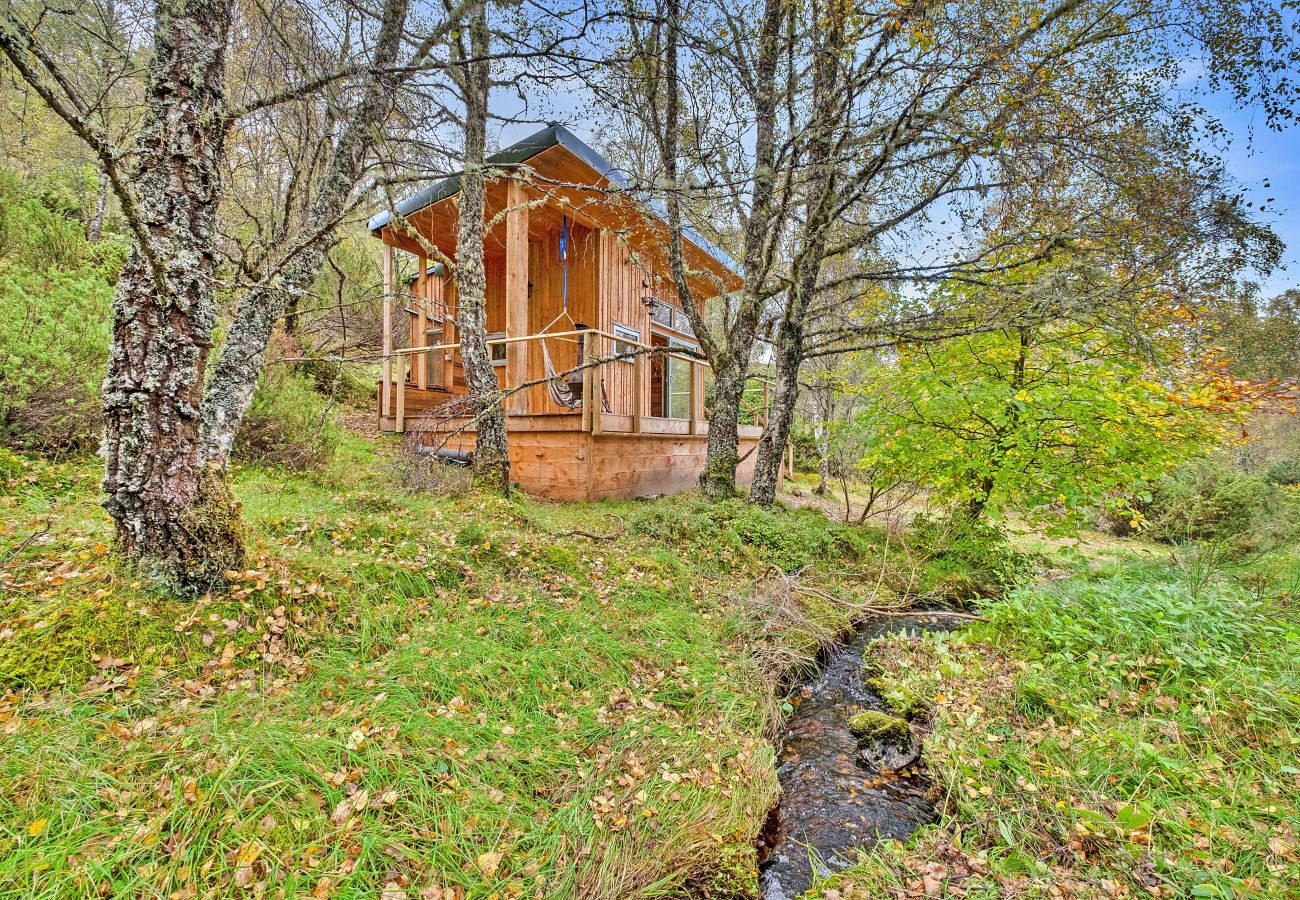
x=818, y=205
x=722, y=451
x=823, y=401
x=780, y=418
x=95, y=227
x=728, y=357
x=234, y=379
x=491, y=456
x=172, y=514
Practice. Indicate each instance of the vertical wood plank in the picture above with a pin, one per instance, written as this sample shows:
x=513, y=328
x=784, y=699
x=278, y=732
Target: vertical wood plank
x=516, y=294
x=420, y=362
x=586, y=399
x=638, y=376
x=386, y=404
x=597, y=388
x=401, y=394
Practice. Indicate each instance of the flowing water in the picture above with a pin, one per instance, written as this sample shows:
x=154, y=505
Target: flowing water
x=830, y=803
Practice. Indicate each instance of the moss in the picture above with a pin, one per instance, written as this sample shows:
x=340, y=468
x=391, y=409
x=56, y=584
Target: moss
x=66, y=645
x=901, y=698
x=882, y=727
x=559, y=559
x=216, y=538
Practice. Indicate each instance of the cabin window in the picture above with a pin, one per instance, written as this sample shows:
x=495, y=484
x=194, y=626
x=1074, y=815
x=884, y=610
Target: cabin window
x=670, y=380
x=627, y=341
x=497, y=352
x=681, y=323
x=661, y=313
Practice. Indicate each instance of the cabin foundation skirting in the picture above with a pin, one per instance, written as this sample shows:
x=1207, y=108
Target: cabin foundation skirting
x=578, y=465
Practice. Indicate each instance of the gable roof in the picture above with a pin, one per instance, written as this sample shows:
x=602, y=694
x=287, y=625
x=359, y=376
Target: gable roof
x=552, y=135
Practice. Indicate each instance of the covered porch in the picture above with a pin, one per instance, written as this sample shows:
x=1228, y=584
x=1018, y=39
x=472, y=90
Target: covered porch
x=604, y=391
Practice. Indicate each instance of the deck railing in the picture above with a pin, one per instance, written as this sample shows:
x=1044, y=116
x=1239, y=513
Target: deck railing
x=399, y=362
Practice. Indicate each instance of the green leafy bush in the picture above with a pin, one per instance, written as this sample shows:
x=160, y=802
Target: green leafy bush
x=965, y=558
x=1208, y=500
x=288, y=423
x=1284, y=472
x=56, y=293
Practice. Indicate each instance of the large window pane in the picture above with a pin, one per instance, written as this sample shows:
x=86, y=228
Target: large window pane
x=679, y=388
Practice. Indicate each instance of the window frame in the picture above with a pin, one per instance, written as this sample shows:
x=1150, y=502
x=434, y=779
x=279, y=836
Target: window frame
x=626, y=340
x=493, y=349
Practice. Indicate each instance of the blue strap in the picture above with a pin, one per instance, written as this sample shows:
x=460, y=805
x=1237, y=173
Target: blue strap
x=564, y=259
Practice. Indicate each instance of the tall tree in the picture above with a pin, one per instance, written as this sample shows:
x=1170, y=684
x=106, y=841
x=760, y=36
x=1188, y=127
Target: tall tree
x=298, y=260
x=473, y=76
x=657, y=91
x=167, y=441
x=172, y=513
x=829, y=101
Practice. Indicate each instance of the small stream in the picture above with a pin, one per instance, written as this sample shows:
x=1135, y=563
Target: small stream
x=830, y=803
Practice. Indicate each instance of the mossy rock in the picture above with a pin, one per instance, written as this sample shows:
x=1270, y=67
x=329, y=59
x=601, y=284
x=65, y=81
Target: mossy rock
x=878, y=726
x=885, y=742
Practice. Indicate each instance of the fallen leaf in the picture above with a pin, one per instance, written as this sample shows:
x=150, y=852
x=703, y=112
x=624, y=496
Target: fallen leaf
x=488, y=863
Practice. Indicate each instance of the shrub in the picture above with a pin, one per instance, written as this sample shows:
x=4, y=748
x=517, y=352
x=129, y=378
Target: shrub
x=345, y=382
x=788, y=538
x=1284, y=472
x=288, y=423
x=964, y=558
x=1208, y=500
x=56, y=294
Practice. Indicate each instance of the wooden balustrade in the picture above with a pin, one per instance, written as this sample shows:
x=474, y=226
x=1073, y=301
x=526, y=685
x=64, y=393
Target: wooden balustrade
x=397, y=363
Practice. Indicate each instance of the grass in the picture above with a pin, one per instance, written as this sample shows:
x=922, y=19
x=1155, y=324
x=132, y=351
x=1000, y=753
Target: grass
x=1110, y=734
x=409, y=695
x=404, y=695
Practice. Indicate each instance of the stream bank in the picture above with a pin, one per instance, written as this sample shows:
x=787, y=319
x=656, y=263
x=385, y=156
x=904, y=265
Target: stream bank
x=831, y=802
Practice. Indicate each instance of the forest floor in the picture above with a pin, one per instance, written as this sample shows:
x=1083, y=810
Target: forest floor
x=409, y=695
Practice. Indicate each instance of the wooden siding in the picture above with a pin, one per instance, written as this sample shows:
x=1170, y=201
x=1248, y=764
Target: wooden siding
x=577, y=465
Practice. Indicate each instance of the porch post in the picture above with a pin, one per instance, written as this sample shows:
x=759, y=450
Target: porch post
x=399, y=423
x=516, y=294
x=420, y=361
x=449, y=333
x=638, y=385
x=386, y=400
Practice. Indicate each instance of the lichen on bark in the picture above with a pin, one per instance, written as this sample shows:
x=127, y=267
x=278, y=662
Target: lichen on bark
x=171, y=517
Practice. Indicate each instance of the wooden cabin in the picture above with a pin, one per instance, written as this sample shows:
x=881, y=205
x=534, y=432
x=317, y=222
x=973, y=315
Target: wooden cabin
x=576, y=283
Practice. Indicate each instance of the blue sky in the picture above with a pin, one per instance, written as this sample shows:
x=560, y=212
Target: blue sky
x=1255, y=155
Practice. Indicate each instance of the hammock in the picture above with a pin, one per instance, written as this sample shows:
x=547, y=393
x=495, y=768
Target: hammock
x=562, y=391
x=565, y=393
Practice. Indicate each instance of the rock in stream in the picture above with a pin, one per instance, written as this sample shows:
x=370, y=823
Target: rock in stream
x=842, y=790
